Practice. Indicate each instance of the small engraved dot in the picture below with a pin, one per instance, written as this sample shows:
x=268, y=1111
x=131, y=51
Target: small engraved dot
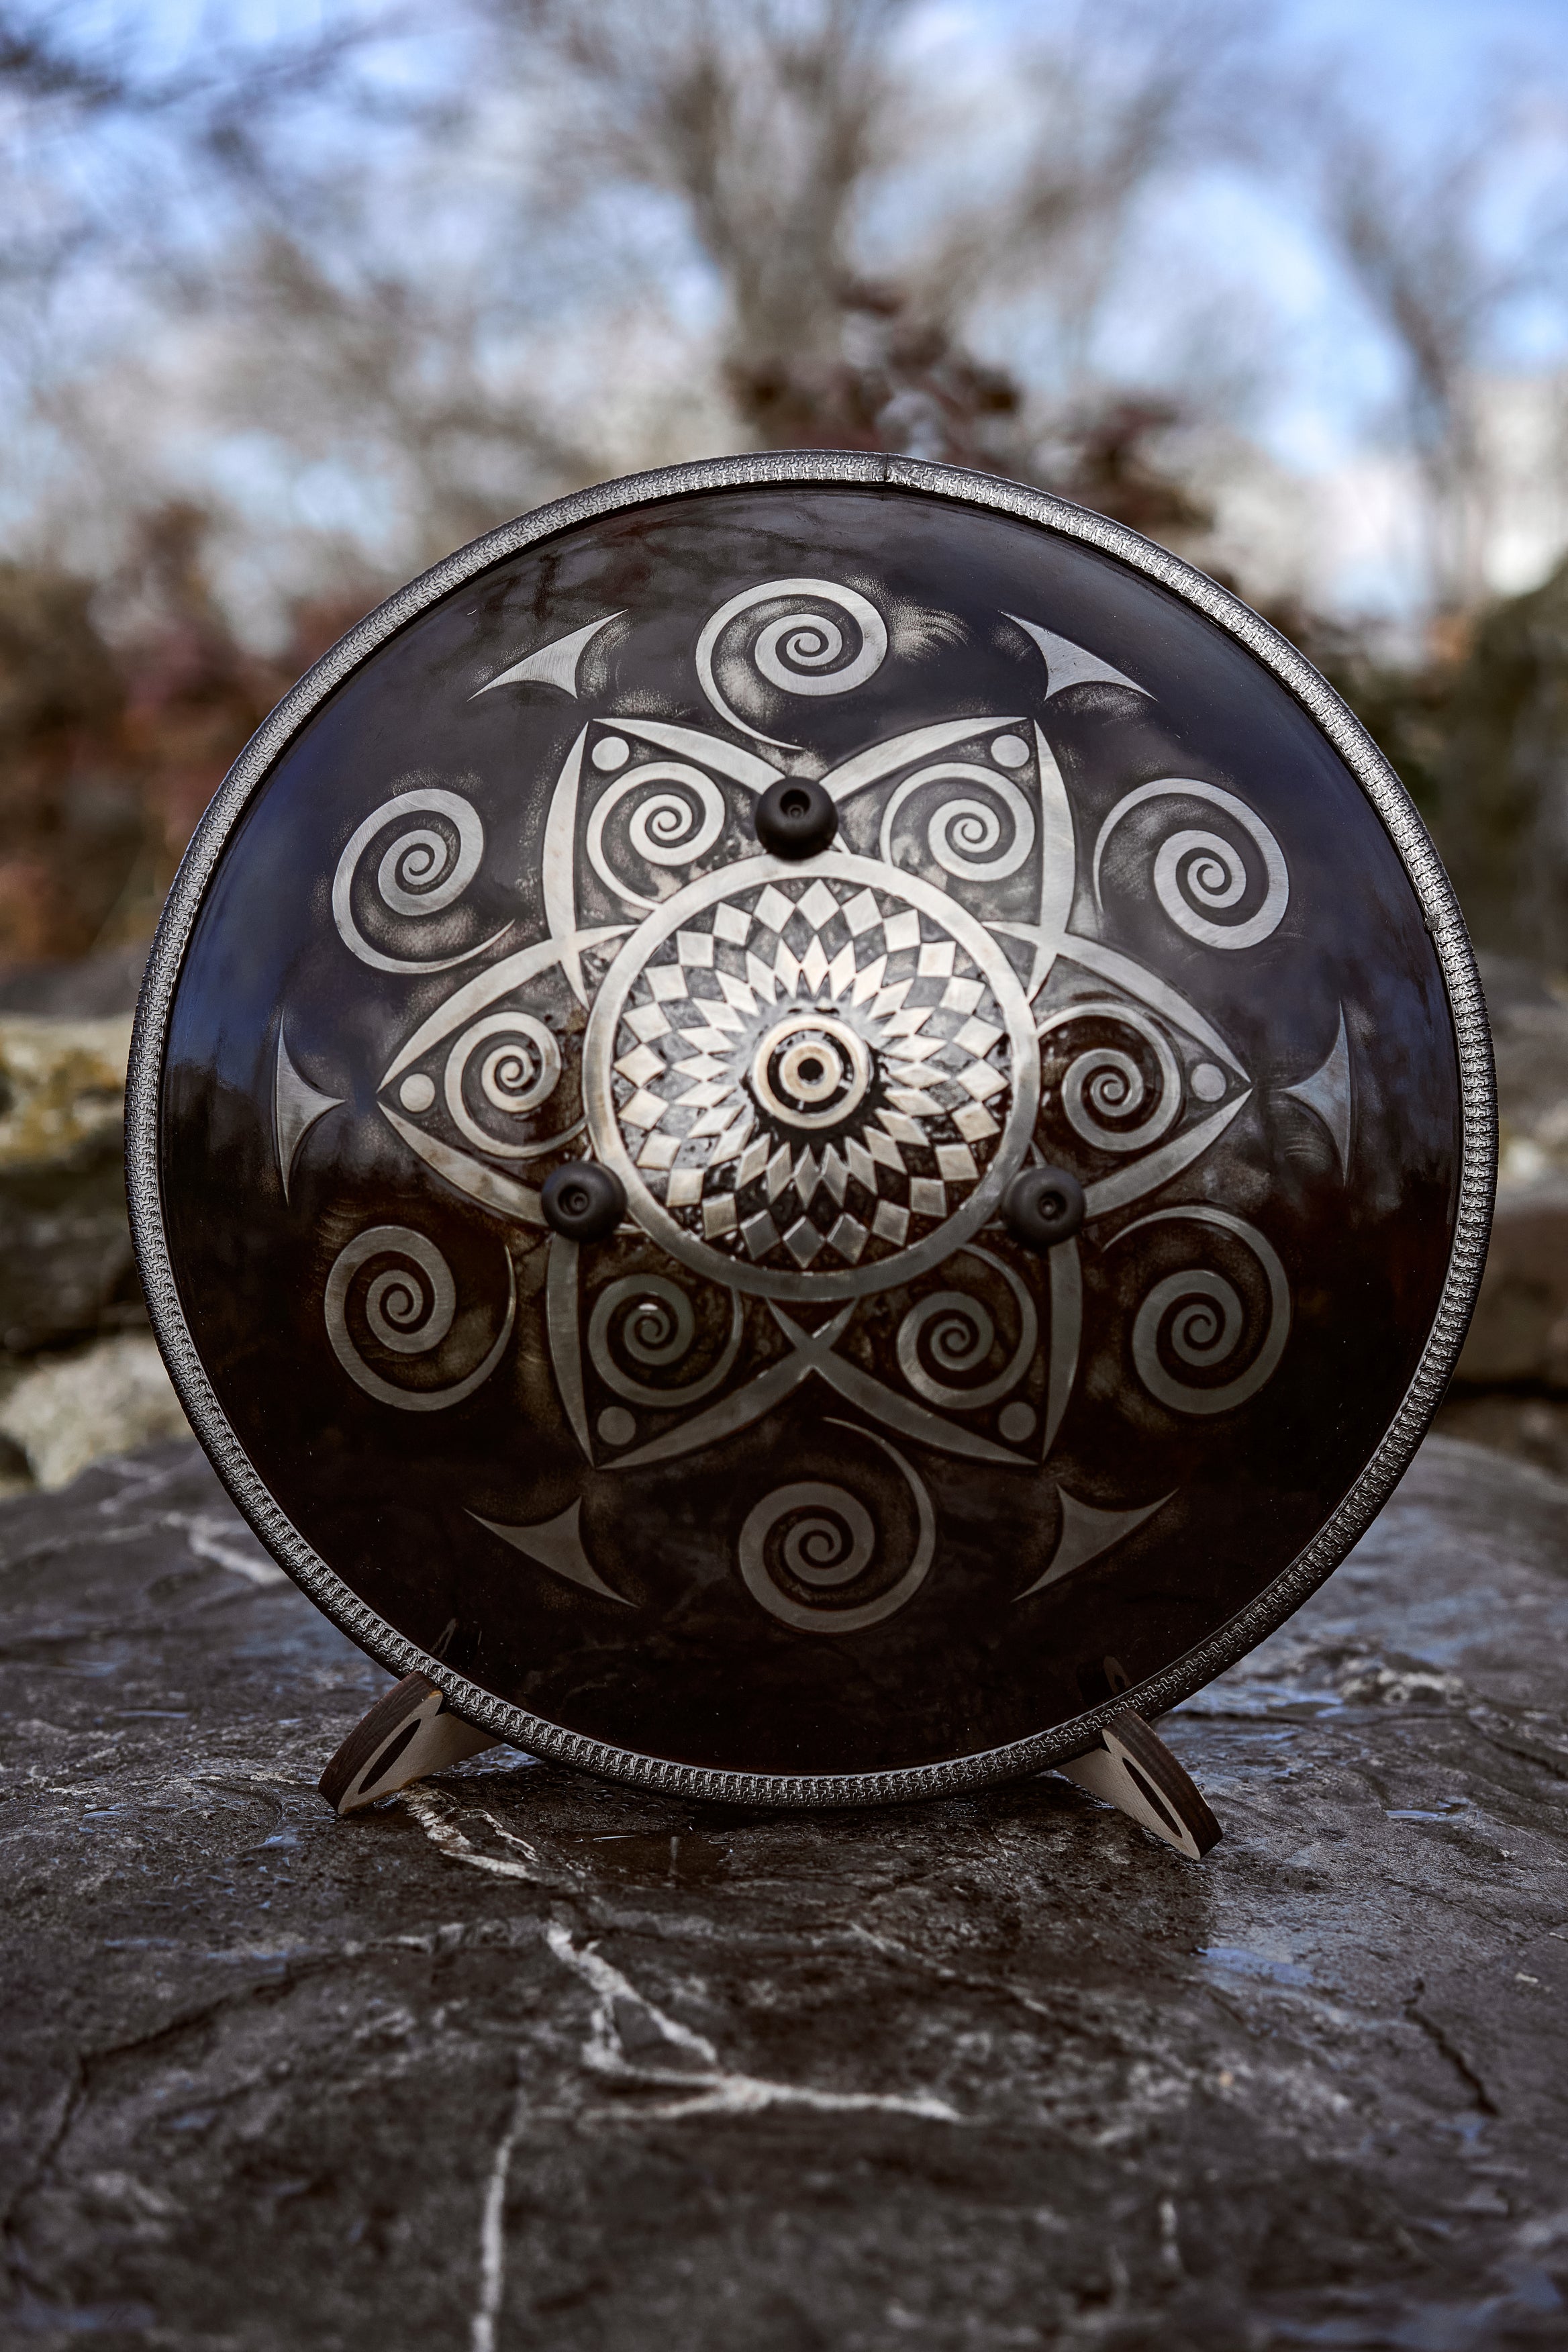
x=617, y=1426
x=417, y=1092
x=1016, y=1423
x=1208, y=1081
x=1009, y=751
x=611, y=751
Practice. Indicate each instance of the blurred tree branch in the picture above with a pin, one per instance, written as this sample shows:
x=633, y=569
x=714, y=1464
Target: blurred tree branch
x=287, y=314
x=1419, y=236
x=784, y=133
x=63, y=60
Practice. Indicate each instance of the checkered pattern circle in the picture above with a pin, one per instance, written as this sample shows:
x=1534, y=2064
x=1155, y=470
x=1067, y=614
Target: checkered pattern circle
x=911, y=1011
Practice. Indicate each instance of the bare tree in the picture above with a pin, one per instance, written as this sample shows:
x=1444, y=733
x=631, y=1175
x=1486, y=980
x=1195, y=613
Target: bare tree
x=104, y=143
x=794, y=142
x=762, y=126
x=1419, y=236
x=783, y=151
x=1118, y=97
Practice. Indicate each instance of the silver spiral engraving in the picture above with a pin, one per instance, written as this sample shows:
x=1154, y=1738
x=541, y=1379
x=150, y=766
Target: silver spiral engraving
x=420, y=874
x=408, y=1309
x=962, y=836
x=957, y=1332
x=674, y=826
x=1199, y=875
x=651, y=1320
x=822, y=1539
x=831, y=1541
x=804, y=652
x=519, y=1069
x=1198, y=1317
x=1102, y=1083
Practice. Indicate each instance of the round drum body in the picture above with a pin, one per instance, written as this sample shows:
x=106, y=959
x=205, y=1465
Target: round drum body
x=811, y=1483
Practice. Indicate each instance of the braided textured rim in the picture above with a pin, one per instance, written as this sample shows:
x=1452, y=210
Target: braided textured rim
x=1356, y=1509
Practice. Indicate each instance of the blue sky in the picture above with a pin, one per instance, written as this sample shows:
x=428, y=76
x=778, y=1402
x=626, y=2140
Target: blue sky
x=1427, y=45
x=1325, y=377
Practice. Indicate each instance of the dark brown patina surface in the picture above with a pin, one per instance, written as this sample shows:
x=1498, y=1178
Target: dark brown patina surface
x=811, y=1468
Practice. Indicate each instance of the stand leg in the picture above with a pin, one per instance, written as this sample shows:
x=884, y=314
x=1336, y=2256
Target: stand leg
x=410, y=1732
x=1133, y=1770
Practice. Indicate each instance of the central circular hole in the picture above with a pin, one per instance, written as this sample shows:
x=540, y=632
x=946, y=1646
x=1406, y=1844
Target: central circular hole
x=811, y=1069
x=575, y=1200
x=794, y=804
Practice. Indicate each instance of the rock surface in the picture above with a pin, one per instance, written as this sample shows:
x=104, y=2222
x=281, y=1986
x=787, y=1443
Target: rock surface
x=80, y=1377
x=88, y=989
x=65, y=1264
x=520, y=2059
x=72, y=1410
x=1528, y=1010
x=1533, y=1428
x=1519, y=1330
x=1510, y=1390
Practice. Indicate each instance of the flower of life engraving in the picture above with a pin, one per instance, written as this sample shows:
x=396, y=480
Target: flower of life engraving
x=816, y=1082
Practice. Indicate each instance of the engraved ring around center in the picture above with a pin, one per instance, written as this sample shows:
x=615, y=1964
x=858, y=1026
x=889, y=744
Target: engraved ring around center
x=811, y=1070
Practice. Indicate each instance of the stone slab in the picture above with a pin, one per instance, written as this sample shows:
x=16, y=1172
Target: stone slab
x=89, y=988
x=1528, y=1009
x=65, y=1265
x=1520, y=1331
x=523, y=2060
x=1511, y=1421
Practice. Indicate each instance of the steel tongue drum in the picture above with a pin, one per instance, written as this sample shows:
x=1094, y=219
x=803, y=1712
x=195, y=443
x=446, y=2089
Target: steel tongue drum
x=807, y=1127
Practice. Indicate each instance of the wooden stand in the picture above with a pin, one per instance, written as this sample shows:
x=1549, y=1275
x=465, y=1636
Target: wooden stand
x=1133, y=1770
x=412, y=1732
x=408, y=1733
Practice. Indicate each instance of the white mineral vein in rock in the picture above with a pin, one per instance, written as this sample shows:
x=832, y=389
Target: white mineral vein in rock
x=209, y=1544
x=691, y=2062
x=493, y=2233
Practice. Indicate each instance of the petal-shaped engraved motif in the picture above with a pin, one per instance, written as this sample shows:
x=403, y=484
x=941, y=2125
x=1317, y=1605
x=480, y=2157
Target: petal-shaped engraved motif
x=1327, y=1095
x=556, y=1544
x=555, y=664
x=1087, y=1532
x=297, y=1105
x=1069, y=665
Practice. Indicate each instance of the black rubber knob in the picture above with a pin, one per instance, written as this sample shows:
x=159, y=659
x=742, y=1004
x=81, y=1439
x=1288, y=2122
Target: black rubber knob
x=1043, y=1206
x=583, y=1202
x=797, y=818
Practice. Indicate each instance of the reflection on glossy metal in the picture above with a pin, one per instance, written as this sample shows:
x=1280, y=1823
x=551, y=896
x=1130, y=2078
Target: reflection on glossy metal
x=809, y=1469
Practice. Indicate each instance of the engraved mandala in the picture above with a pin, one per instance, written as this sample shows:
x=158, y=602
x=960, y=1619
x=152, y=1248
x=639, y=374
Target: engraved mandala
x=815, y=1083
x=812, y=1086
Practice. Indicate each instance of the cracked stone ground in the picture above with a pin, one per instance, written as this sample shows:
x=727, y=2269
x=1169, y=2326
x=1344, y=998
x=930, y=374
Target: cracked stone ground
x=524, y=2061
